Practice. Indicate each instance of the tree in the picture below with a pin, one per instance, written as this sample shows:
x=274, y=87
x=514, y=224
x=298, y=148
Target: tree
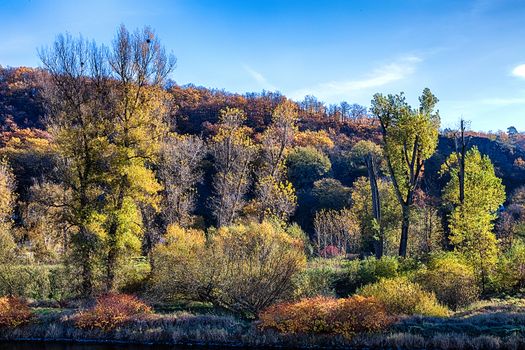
x=471, y=222
x=375, y=236
x=306, y=165
x=75, y=99
x=108, y=107
x=370, y=155
x=180, y=171
x=275, y=195
x=336, y=232
x=331, y=194
x=409, y=138
x=233, y=152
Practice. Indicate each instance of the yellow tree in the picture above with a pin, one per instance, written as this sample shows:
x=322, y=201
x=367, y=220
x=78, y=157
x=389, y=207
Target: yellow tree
x=472, y=220
x=410, y=137
x=233, y=152
x=275, y=195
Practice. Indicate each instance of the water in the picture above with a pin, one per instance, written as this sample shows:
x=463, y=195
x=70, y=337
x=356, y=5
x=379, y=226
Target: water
x=83, y=346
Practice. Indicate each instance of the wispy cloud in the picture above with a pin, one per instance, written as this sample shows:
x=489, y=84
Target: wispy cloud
x=259, y=78
x=519, y=71
x=383, y=75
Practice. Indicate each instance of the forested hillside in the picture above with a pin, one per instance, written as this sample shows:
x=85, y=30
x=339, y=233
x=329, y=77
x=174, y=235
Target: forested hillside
x=117, y=185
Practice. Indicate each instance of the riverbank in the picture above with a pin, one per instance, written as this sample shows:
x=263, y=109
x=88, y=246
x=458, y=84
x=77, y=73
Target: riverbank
x=489, y=326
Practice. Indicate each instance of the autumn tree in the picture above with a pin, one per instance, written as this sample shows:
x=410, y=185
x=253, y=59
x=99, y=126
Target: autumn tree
x=275, y=195
x=181, y=171
x=75, y=100
x=107, y=107
x=336, y=232
x=139, y=65
x=233, y=152
x=409, y=138
x=472, y=222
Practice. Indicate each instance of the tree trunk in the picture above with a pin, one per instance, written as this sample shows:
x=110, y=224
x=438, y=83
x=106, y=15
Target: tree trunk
x=404, y=231
x=376, y=204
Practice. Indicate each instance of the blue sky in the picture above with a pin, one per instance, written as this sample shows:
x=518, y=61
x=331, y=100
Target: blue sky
x=471, y=54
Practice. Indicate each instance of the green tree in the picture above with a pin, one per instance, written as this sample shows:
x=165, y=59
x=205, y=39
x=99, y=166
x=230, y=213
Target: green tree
x=471, y=222
x=410, y=137
x=306, y=165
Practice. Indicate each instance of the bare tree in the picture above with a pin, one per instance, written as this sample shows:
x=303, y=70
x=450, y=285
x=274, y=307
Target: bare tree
x=180, y=171
x=233, y=152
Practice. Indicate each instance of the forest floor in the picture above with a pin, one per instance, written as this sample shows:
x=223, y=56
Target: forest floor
x=496, y=324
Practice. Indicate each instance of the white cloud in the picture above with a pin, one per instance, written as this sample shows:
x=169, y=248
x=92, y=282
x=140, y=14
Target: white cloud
x=519, y=71
x=259, y=78
x=386, y=74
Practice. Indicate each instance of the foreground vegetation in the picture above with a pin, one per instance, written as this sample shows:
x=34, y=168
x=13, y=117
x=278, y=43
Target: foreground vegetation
x=284, y=228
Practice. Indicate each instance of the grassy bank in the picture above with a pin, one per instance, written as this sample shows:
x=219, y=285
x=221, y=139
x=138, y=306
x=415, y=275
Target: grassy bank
x=490, y=325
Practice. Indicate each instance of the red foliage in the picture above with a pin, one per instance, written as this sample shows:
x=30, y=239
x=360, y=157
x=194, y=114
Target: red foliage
x=111, y=311
x=346, y=317
x=14, y=312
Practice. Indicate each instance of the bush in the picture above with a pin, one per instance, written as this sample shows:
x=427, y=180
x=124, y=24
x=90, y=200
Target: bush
x=510, y=272
x=40, y=282
x=327, y=316
x=111, y=311
x=244, y=268
x=14, y=312
x=402, y=297
x=451, y=279
x=366, y=271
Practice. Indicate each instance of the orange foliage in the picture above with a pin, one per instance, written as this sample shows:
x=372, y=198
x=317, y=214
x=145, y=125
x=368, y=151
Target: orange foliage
x=14, y=312
x=345, y=317
x=111, y=311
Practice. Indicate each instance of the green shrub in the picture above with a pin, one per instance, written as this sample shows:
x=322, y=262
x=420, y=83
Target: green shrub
x=319, y=278
x=40, y=282
x=451, y=279
x=402, y=297
x=366, y=271
x=510, y=271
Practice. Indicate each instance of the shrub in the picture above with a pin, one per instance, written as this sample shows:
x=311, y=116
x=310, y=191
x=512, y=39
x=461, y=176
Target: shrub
x=14, y=312
x=111, y=311
x=402, y=297
x=450, y=279
x=510, y=272
x=366, y=271
x=40, y=282
x=326, y=316
x=244, y=268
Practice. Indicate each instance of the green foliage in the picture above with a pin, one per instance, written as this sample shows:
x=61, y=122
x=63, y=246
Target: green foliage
x=390, y=215
x=510, y=270
x=331, y=194
x=451, y=278
x=46, y=282
x=306, y=165
x=471, y=222
x=402, y=297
